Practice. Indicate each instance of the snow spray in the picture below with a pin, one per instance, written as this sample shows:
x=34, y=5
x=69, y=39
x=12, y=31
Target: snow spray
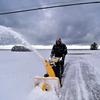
x=9, y=32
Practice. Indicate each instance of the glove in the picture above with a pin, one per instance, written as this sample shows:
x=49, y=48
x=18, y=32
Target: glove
x=49, y=58
x=61, y=59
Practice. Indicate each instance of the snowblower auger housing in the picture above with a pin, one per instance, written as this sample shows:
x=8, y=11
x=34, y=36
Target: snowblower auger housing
x=47, y=84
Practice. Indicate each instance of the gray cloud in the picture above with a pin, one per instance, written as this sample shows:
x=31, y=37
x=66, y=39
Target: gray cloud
x=76, y=25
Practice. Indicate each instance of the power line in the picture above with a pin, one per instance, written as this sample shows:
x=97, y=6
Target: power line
x=49, y=7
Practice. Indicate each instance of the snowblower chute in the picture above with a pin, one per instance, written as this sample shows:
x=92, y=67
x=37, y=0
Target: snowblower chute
x=49, y=69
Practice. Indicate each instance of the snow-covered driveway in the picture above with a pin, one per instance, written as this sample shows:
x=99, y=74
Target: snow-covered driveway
x=81, y=78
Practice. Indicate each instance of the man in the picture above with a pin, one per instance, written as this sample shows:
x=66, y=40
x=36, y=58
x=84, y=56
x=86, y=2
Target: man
x=59, y=50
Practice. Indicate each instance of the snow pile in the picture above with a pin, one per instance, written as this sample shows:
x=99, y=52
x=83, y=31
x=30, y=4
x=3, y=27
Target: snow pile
x=38, y=94
x=51, y=92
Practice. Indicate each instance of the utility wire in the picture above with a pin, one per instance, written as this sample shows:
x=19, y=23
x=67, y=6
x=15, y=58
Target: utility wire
x=49, y=7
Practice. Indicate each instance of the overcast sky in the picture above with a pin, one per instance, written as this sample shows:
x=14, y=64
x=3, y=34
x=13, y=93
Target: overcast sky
x=76, y=25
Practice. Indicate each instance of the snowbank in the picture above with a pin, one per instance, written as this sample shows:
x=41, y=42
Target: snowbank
x=38, y=94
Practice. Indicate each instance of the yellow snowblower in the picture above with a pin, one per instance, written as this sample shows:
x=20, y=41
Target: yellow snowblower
x=49, y=69
x=50, y=83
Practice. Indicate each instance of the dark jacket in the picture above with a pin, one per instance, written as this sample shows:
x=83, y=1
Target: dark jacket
x=59, y=50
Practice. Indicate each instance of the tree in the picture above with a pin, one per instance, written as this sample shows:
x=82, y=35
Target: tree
x=94, y=46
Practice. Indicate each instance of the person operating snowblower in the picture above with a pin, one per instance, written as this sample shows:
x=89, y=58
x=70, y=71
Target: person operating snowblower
x=51, y=81
x=58, y=53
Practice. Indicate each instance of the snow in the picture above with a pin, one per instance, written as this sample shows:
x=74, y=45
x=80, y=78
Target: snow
x=81, y=76
x=81, y=79
x=42, y=95
x=16, y=74
x=48, y=47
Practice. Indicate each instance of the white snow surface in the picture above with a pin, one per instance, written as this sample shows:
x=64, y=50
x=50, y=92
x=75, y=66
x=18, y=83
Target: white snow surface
x=38, y=94
x=81, y=78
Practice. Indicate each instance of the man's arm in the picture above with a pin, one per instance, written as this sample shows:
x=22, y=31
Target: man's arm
x=65, y=50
